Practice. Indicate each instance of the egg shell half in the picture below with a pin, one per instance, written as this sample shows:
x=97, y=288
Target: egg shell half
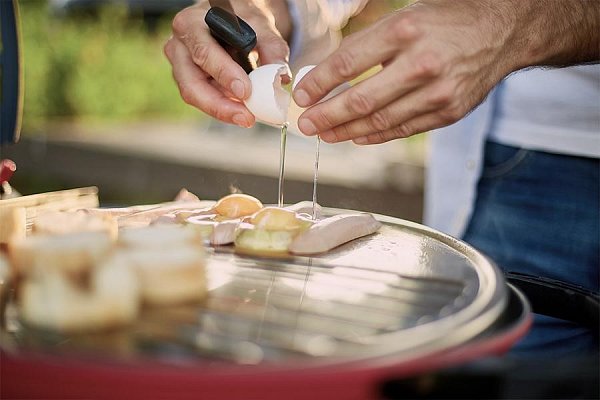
x=295, y=110
x=269, y=101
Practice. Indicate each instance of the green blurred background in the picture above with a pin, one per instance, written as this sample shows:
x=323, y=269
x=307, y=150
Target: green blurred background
x=93, y=67
x=106, y=65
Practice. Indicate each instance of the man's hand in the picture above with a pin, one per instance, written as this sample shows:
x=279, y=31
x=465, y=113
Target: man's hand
x=206, y=75
x=440, y=59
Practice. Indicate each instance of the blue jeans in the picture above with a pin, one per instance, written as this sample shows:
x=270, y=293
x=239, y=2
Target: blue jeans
x=539, y=213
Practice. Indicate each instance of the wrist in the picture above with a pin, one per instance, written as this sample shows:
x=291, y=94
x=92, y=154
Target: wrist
x=529, y=45
x=565, y=33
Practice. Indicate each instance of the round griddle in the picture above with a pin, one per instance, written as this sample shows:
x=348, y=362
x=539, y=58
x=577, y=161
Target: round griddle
x=405, y=300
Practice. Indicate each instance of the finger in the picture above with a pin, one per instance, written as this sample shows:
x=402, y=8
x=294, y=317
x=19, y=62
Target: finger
x=197, y=90
x=271, y=47
x=435, y=96
x=227, y=93
x=357, y=53
x=189, y=28
x=400, y=77
x=420, y=124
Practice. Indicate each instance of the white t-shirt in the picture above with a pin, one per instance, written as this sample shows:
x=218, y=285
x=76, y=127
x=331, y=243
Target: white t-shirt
x=554, y=110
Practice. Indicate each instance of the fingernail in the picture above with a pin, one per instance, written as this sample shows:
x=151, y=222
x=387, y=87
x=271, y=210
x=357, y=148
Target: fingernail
x=361, y=140
x=301, y=98
x=241, y=120
x=307, y=127
x=237, y=88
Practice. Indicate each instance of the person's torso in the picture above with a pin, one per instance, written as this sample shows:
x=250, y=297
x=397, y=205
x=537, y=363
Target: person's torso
x=555, y=110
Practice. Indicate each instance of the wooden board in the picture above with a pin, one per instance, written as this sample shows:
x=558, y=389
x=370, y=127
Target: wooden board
x=17, y=214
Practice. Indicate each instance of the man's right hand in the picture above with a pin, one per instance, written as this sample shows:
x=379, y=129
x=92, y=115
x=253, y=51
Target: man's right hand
x=206, y=75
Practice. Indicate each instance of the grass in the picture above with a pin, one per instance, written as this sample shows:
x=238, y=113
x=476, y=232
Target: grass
x=102, y=68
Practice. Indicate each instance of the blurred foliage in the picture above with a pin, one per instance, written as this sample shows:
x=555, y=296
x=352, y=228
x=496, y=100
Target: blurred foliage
x=109, y=66
x=103, y=67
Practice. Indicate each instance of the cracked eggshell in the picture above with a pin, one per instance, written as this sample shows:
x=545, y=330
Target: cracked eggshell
x=295, y=110
x=300, y=74
x=269, y=101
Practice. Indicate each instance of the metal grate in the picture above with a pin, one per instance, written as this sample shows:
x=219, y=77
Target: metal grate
x=431, y=292
x=318, y=309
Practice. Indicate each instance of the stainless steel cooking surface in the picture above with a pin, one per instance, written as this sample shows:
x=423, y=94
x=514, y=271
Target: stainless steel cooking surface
x=405, y=292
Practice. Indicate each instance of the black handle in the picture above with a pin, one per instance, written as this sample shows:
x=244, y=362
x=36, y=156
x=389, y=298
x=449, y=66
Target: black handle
x=238, y=44
x=559, y=299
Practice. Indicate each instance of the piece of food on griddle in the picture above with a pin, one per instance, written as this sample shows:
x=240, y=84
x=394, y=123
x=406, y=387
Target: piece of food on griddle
x=70, y=282
x=306, y=207
x=218, y=233
x=63, y=222
x=332, y=232
x=230, y=207
x=270, y=231
x=185, y=196
x=169, y=261
x=160, y=236
x=237, y=205
x=71, y=253
x=102, y=297
x=218, y=224
x=169, y=277
x=13, y=224
x=5, y=282
x=5, y=272
x=144, y=215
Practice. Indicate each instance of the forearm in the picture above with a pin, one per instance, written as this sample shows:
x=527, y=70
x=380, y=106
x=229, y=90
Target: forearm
x=555, y=33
